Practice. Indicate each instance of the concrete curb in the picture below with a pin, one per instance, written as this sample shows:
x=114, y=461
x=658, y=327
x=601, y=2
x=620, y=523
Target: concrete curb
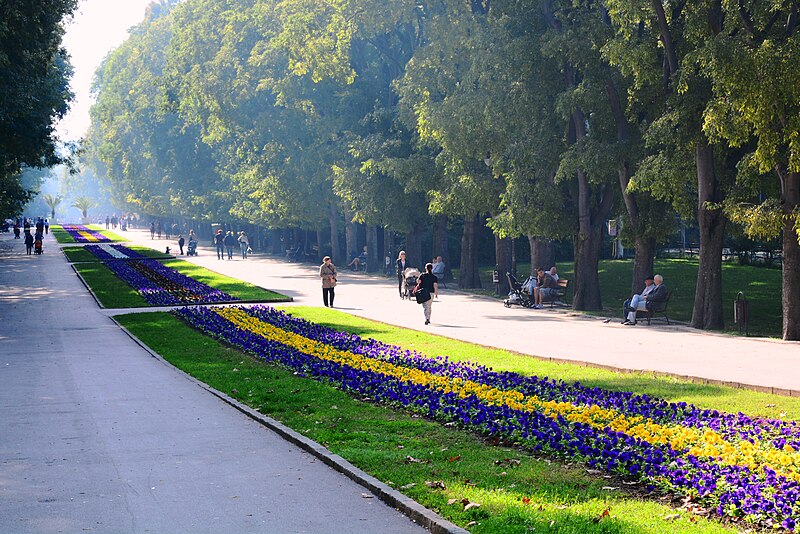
x=412, y=509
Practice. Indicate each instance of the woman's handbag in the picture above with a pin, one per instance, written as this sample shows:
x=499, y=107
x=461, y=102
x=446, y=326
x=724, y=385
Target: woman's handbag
x=421, y=294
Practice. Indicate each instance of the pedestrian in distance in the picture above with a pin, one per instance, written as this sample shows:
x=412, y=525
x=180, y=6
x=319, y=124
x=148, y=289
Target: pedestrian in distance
x=159, y=228
x=427, y=285
x=181, y=242
x=244, y=244
x=28, y=243
x=401, y=264
x=47, y=226
x=230, y=242
x=219, y=242
x=152, y=230
x=327, y=272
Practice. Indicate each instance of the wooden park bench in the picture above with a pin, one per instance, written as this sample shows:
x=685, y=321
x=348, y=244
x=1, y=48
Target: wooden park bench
x=657, y=308
x=560, y=296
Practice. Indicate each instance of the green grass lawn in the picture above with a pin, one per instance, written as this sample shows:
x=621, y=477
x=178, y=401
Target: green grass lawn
x=112, y=292
x=761, y=286
x=439, y=465
x=62, y=236
x=80, y=254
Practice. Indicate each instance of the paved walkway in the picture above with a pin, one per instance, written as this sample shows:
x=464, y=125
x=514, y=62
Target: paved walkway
x=98, y=436
x=764, y=364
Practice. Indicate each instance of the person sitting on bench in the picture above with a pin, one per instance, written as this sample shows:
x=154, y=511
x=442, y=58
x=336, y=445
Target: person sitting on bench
x=655, y=291
x=546, y=288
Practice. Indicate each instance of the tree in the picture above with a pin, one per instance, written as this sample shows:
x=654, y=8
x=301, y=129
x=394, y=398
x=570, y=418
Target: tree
x=36, y=94
x=84, y=204
x=655, y=44
x=757, y=96
x=52, y=202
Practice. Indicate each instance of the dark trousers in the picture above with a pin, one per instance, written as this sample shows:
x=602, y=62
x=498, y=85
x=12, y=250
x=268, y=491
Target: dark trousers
x=325, y=299
x=220, y=251
x=400, y=281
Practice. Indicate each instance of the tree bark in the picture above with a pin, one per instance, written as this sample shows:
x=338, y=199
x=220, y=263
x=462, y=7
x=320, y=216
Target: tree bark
x=790, y=297
x=350, y=239
x=373, y=254
x=541, y=253
x=707, y=313
x=333, y=220
x=643, y=262
x=588, y=242
x=414, y=248
x=469, y=274
x=440, y=237
x=502, y=254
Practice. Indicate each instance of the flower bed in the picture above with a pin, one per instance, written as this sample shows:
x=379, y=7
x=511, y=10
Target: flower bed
x=106, y=252
x=743, y=467
x=82, y=234
x=158, y=284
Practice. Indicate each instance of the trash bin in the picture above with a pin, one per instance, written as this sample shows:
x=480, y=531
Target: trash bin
x=741, y=312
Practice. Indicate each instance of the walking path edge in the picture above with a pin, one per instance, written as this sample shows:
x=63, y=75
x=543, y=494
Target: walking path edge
x=409, y=507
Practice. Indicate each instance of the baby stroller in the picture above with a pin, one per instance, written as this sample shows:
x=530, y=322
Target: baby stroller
x=411, y=276
x=37, y=245
x=520, y=294
x=192, y=250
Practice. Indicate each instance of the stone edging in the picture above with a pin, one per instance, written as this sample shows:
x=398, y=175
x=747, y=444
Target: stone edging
x=409, y=507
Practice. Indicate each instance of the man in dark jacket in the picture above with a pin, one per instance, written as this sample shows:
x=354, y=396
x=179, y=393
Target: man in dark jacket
x=642, y=303
x=219, y=242
x=230, y=242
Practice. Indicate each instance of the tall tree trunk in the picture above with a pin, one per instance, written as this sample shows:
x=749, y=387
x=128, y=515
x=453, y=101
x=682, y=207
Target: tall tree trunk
x=373, y=254
x=333, y=220
x=790, y=198
x=589, y=239
x=320, y=239
x=586, y=283
x=414, y=248
x=388, y=249
x=707, y=312
x=541, y=253
x=276, y=242
x=643, y=262
x=469, y=273
x=440, y=237
x=502, y=255
x=350, y=238
x=644, y=246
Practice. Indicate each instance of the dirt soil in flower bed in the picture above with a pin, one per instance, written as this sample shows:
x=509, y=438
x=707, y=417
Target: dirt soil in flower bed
x=483, y=485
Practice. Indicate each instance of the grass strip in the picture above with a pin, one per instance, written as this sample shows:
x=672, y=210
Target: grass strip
x=115, y=293
x=761, y=286
x=443, y=468
x=232, y=286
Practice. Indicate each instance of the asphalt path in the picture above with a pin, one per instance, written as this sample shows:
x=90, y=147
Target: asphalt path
x=759, y=363
x=96, y=435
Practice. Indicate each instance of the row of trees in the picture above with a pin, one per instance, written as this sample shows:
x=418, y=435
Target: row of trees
x=35, y=72
x=539, y=118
